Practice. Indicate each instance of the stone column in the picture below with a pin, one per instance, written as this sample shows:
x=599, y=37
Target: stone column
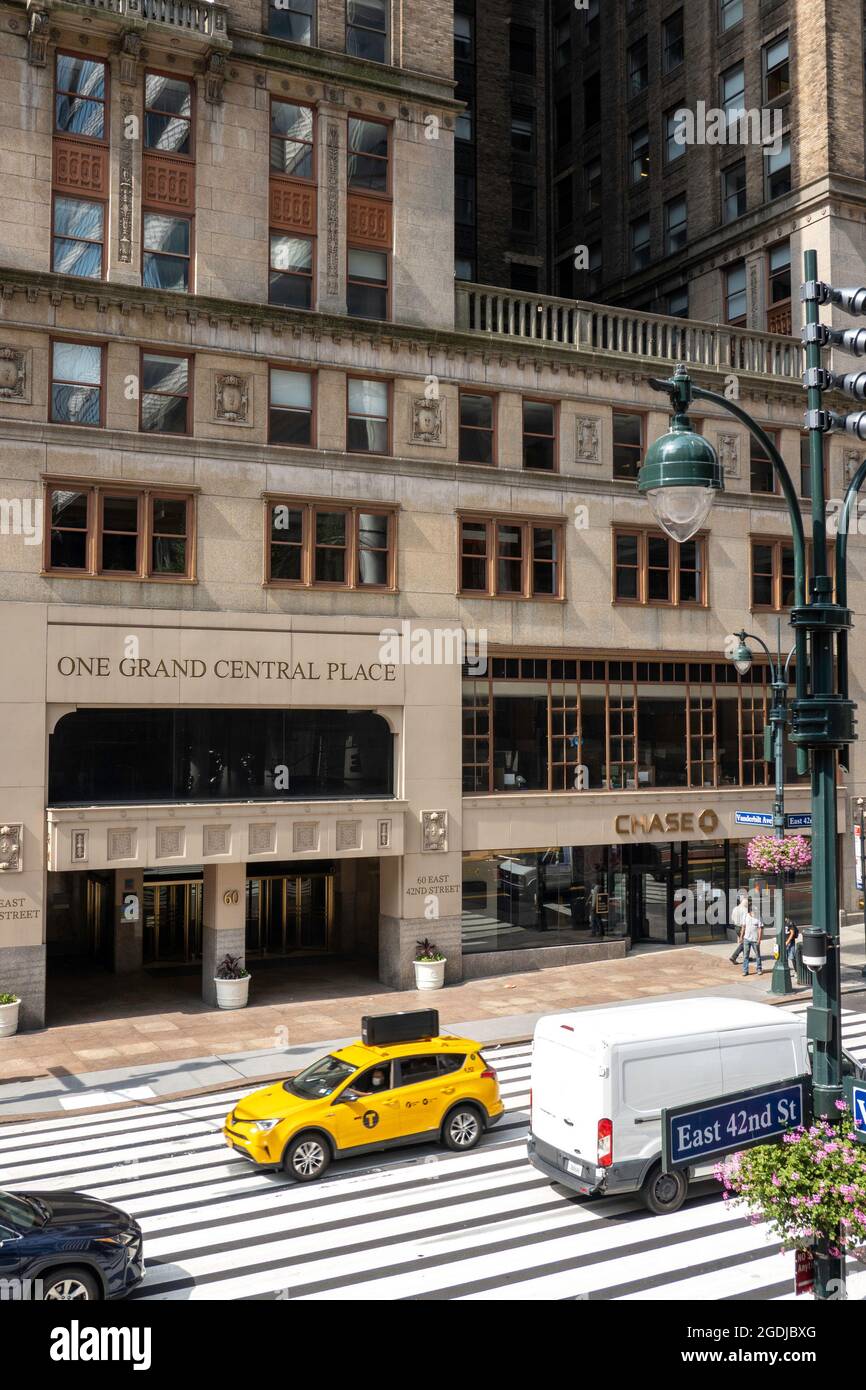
x=223, y=921
x=128, y=951
x=331, y=231
x=125, y=122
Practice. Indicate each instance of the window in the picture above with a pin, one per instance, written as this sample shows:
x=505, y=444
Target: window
x=592, y=21
x=761, y=470
x=640, y=243
x=676, y=229
x=639, y=154
x=291, y=271
x=368, y=155
x=464, y=38
x=522, y=129
x=628, y=445
x=564, y=203
x=166, y=258
x=638, y=67
x=562, y=44
x=735, y=294
x=592, y=100
x=463, y=123
x=292, y=140
x=292, y=20
x=778, y=170
x=291, y=413
x=650, y=568
x=80, y=97
x=806, y=466
x=331, y=545
x=675, y=146
x=731, y=12
x=734, y=191
x=477, y=428
x=539, y=435
x=777, y=68
x=521, y=49
x=677, y=303
x=565, y=277
x=79, y=237
x=523, y=209
x=165, y=394
x=732, y=93
x=140, y=533
x=592, y=184
x=367, y=29
x=673, y=41
x=464, y=200
x=368, y=416
x=510, y=557
x=772, y=574
x=779, y=272
x=415, y=1069
x=367, y=283
x=167, y=114
x=76, y=383
x=562, y=123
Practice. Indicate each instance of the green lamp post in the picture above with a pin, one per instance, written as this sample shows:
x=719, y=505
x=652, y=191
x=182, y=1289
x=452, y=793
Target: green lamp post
x=778, y=721
x=681, y=478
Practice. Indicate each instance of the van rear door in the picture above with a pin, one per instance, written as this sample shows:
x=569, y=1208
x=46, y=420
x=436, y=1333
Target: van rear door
x=567, y=1097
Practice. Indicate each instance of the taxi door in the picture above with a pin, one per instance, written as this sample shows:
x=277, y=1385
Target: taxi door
x=370, y=1112
x=421, y=1092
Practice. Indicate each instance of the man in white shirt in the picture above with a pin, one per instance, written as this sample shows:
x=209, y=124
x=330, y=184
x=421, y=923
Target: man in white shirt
x=753, y=932
x=738, y=916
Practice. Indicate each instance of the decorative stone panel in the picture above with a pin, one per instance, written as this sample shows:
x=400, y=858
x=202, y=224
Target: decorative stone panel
x=305, y=837
x=434, y=832
x=369, y=221
x=79, y=846
x=428, y=421
x=383, y=834
x=11, y=855
x=588, y=439
x=262, y=838
x=216, y=839
x=292, y=206
x=170, y=841
x=14, y=375
x=122, y=843
x=728, y=446
x=168, y=182
x=80, y=168
x=232, y=398
x=348, y=834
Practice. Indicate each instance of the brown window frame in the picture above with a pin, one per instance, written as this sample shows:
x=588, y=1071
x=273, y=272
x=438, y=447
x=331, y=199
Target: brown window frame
x=643, y=534
x=313, y=177
x=641, y=447
x=389, y=419
x=539, y=400
x=309, y=508
x=103, y=244
x=313, y=374
x=103, y=359
x=152, y=110
x=775, y=434
x=777, y=544
x=174, y=395
x=146, y=496
x=105, y=101
x=726, y=273
x=493, y=431
x=528, y=526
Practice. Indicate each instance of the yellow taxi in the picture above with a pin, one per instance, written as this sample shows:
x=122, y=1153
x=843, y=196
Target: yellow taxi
x=375, y=1094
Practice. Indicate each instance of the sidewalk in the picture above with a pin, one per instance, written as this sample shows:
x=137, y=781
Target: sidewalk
x=146, y=1057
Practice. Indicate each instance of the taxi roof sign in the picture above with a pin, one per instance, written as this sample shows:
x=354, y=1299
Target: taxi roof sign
x=379, y=1030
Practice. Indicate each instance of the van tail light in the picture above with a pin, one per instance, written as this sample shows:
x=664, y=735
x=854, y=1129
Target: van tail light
x=488, y=1074
x=605, y=1143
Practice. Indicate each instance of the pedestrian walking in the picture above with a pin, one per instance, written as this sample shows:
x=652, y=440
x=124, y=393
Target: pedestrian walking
x=738, y=916
x=792, y=936
x=753, y=934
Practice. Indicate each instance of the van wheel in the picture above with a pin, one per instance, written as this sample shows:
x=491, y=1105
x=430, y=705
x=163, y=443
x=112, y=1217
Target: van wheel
x=69, y=1285
x=307, y=1157
x=462, y=1129
x=664, y=1192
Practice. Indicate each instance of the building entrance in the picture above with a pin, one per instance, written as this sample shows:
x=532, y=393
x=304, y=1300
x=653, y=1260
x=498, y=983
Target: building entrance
x=172, y=917
x=290, y=913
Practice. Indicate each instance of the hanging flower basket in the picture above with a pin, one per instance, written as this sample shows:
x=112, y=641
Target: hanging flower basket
x=810, y=1187
x=771, y=856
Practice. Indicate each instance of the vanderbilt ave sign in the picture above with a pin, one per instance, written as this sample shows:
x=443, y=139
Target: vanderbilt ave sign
x=667, y=823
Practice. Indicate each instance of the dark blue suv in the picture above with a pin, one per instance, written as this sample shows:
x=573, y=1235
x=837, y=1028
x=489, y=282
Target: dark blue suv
x=66, y=1246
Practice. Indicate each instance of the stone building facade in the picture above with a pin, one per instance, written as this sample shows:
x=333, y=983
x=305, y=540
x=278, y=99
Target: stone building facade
x=248, y=545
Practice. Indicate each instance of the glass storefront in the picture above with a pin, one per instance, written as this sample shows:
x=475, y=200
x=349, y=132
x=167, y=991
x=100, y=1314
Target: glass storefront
x=111, y=756
x=662, y=893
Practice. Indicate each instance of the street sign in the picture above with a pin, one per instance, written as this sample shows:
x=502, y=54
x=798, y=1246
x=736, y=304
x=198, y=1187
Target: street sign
x=697, y=1133
x=855, y=1094
x=752, y=818
x=804, y=1272
x=799, y=822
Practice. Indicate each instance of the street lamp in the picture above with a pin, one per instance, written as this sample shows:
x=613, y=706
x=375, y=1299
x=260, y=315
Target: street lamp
x=861, y=817
x=742, y=659
x=823, y=715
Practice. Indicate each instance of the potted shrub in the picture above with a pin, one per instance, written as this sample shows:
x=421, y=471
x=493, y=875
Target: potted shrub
x=9, y=1006
x=232, y=981
x=429, y=966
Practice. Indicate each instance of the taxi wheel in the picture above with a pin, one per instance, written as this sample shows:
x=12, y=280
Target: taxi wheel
x=307, y=1157
x=463, y=1128
x=664, y=1192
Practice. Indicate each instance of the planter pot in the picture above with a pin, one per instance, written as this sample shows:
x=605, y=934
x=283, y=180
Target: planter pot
x=232, y=994
x=429, y=974
x=9, y=1019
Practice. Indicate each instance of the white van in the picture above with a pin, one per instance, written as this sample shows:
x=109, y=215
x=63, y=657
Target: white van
x=601, y=1077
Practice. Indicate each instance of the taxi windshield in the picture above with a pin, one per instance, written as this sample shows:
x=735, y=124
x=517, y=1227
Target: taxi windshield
x=320, y=1079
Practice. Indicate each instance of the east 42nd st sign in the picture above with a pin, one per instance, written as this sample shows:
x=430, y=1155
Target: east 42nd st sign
x=695, y=1134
